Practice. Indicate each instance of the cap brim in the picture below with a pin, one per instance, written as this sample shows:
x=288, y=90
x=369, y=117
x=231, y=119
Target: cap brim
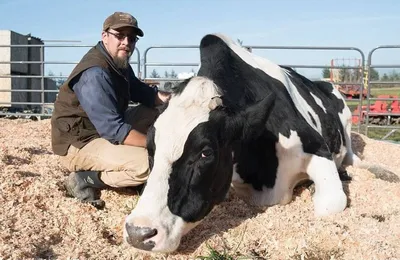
x=137, y=29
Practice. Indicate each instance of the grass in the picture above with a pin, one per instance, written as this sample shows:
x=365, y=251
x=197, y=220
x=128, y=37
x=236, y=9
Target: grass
x=378, y=133
x=215, y=255
x=313, y=253
x=375, y=92
x=228, y=254
x=385, y=91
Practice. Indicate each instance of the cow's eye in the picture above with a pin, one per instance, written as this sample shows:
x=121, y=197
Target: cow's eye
x=206, y=152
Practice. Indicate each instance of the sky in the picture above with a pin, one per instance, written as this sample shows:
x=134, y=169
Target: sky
x=339, y=23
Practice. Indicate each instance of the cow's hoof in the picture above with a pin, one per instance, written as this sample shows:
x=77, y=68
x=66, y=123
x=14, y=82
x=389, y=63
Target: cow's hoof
x=344, y=176
x=329, y=203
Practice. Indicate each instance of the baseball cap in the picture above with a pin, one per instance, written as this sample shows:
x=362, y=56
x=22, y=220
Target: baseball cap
x=121, y=19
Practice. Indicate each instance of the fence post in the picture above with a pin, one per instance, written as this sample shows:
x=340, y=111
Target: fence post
x=42, y=82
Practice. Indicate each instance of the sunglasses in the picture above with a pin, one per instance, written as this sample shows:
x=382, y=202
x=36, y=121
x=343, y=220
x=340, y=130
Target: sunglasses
x=121, y=36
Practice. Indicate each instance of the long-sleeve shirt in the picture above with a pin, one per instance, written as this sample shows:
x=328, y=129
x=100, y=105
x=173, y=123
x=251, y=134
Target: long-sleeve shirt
x=97, y=97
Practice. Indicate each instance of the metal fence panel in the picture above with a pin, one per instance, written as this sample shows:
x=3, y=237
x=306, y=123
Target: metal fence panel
x=381, y=110
x=361, y=84
x=45, y=106
x=25, y=85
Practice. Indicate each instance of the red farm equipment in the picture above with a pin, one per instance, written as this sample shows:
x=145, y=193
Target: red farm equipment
x=382, y=112
x=351, y=91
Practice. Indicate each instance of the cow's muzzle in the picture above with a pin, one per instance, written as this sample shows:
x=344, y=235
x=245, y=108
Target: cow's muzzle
x=139, y=237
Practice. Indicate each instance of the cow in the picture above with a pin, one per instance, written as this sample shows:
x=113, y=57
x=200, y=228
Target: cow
x=246, y=123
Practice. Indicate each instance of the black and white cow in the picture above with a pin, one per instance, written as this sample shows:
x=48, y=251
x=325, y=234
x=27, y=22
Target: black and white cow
x=243, y=122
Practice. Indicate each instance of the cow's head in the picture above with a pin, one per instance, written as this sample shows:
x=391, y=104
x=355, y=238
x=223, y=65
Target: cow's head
x=191, y=158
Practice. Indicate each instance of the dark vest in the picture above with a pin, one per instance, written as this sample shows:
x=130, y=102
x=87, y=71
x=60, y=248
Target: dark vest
x=70, y=124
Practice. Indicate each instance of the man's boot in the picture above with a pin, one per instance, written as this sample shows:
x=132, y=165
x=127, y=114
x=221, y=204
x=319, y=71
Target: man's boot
x=86, y=186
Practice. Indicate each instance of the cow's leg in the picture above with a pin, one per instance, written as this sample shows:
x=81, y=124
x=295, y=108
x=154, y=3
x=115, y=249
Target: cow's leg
x=247, y=193
x=329, y=197
x=281, y=193
x=260, y=198
x=288, y=176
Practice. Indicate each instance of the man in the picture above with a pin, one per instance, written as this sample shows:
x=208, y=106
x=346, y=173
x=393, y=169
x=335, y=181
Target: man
x=97, y=136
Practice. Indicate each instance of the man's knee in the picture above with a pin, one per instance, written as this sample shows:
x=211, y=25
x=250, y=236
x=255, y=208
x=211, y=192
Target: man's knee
x=127, y=178
x=71, y=161
x=138, y=169
x=67, y=162
x=132, y=172
x=139, y=176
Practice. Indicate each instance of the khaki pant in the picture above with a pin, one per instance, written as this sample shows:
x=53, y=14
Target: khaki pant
x=120, y=165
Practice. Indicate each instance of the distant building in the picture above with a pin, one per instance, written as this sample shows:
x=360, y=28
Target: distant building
x=24, y=55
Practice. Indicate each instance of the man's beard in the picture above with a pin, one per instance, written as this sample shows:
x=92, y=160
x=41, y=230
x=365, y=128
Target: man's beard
x=122, y=63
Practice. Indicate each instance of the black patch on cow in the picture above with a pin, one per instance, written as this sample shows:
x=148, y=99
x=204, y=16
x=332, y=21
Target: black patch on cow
x=162, y=108
x=242, y=85
x=201, y=177
x=151, y=146
x=330, y=121
x=256, y=161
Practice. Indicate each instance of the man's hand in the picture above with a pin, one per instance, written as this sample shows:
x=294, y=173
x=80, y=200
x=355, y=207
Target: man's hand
x=162, y=97
x=135, y=138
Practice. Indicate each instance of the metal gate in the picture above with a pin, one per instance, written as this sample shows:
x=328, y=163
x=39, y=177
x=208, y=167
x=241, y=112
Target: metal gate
x=381, y=110
x=360, y=83
x=42, y=104
x=44, y=96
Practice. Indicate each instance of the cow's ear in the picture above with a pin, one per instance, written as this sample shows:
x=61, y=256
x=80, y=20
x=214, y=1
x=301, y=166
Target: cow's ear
x=215, y=102
x=250, y=123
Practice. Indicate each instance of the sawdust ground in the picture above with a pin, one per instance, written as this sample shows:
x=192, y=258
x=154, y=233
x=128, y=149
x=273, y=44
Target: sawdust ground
x=38, y=221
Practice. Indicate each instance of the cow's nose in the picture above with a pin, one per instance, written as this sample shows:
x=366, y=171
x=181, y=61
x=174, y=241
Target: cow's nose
x=138, y=235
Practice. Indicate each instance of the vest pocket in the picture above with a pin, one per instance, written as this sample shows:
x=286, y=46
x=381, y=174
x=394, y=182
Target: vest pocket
x=69, y=125
x=87, y=130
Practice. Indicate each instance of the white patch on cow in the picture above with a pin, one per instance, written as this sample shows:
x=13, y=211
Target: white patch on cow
x=345, y=155
x=235, y=176
x=275, y=71
x=345, y=115
x=293, y=165
x=319, y=102
x=338, y=158
x=242, y=189
x=184, y=112
x=290, y=172
x=291, y=157
x=329, y=197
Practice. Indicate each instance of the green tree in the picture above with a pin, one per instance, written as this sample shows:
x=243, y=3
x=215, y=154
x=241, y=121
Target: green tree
x=58, y=80
x=356, y=75
x=61, y=80
x=385, y=77
x=326, y=73
x=154, y=74
x=394, y=76
x=344, y=74
x=171, y=74
x=374, y=74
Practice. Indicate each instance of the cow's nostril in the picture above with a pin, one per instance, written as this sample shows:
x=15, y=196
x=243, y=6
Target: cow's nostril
x=137, y=236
